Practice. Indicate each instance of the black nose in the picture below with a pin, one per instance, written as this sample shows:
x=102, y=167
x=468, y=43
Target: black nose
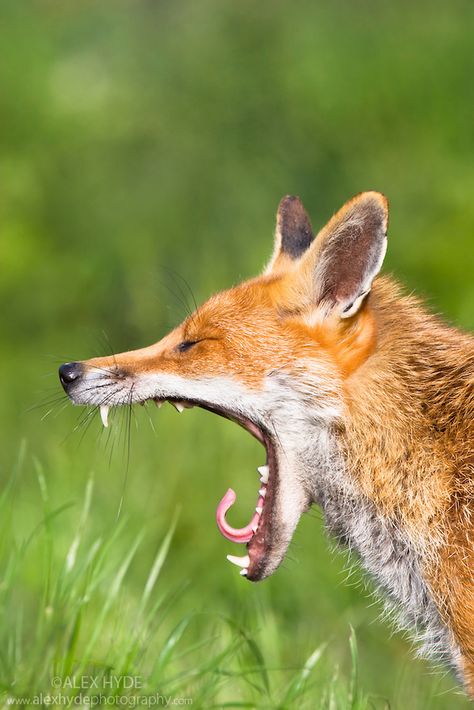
x=69, y=373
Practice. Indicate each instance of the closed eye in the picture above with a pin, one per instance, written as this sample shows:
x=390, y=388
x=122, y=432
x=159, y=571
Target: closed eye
x=186, y=345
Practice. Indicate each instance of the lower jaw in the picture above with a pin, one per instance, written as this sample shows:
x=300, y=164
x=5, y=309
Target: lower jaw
x=264, y=561
x=257, y=567
x=255, y=563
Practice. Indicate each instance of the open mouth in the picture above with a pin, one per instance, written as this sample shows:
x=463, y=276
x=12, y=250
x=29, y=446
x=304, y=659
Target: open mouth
x=257, y=534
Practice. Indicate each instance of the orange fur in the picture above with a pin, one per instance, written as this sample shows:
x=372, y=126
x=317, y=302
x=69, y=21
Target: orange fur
x=407, y=383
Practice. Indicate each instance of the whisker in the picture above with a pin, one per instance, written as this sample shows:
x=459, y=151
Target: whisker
x=57, y=409
x=150, y=419
x=109, y=346
x=128, y=447
x=50, y=402
x=185, y=282
x=185, y=306
x=85, y=417
x=107, y=370
x=87, y=421
x=181, y=296
x=61, y=395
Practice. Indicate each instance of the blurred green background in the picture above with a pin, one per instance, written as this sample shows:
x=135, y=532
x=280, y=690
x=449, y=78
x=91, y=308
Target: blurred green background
x=143, y=143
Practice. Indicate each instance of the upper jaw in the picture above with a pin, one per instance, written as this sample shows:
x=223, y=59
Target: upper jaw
x=285, y=498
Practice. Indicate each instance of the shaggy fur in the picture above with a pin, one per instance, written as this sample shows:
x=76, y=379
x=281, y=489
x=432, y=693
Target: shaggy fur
x=363, y=401
x=408, y=447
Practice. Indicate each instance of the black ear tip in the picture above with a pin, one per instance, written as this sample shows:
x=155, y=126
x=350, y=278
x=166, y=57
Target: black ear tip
x=291, y=211
x=291, y=204
x=294, y=227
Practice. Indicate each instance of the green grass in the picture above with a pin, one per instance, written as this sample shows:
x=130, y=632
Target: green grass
x=83, y=598
x=147, y=142
x=86, y=636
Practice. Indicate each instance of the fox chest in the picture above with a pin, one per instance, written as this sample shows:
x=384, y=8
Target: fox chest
x=386, y=554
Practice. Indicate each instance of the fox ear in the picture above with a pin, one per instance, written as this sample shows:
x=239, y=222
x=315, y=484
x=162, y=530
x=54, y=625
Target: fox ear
x=293, y=233
x=348, y=254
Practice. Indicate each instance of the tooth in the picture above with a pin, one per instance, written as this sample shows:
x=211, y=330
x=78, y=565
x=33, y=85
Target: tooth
x=259, y=509
x=178, y=406
x=104, y=414
x=254, y=528
x=239, y=561
x=263, y=471
x=158, y=402
x=243, y=572
x=263, y=492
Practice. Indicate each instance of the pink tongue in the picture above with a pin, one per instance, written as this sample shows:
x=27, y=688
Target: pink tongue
x=235, y=534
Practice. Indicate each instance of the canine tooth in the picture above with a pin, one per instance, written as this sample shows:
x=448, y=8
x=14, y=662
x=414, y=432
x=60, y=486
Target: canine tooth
x=239, y=561
x=263, y=492
x=104, y=415
x=158, y=402
x=263, y=471
x=243, y=572
x=259, y=509
x=178, y=406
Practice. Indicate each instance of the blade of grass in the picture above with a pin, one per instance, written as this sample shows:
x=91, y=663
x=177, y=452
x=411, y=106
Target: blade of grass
x=297, y=685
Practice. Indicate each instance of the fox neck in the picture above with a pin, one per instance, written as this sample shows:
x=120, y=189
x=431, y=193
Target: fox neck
x=402, y=427
x=387, y=482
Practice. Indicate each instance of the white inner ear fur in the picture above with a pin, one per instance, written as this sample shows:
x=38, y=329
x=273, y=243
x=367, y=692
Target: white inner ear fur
x=276, y=252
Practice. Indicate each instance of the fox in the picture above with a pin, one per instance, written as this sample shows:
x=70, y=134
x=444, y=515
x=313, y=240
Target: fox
x=362, y=399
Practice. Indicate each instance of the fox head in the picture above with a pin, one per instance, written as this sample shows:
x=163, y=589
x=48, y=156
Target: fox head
x=272, y=354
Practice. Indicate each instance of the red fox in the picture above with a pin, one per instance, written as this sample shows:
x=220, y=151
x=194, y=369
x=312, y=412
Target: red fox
x=363, y=402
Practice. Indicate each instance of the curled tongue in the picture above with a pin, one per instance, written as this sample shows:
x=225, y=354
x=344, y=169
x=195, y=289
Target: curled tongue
x=236, y=534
